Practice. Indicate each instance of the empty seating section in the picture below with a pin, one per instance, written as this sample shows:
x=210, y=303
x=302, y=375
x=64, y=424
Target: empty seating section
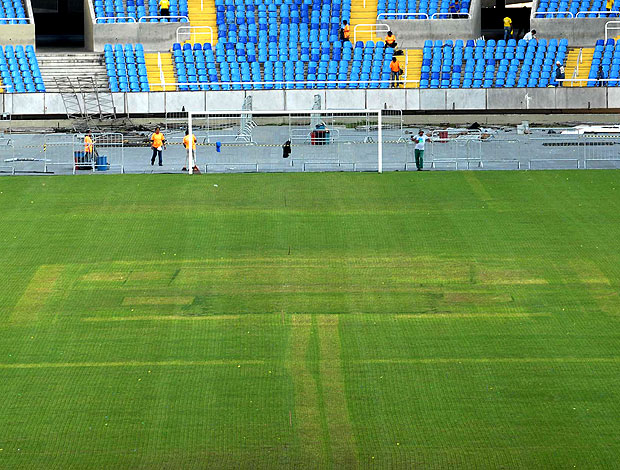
x=607, y=55
x=576, y=8
x=20, y=70
x=126, y=67
x=13, y=12
x=423, y=9
x=125, y=11
x=488, y=64
x=235, y=67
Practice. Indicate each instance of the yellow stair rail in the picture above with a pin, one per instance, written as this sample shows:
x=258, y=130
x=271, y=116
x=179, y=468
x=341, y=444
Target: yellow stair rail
x=159, y=67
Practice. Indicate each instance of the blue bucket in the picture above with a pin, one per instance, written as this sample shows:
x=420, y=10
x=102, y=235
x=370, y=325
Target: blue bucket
x=102, y=163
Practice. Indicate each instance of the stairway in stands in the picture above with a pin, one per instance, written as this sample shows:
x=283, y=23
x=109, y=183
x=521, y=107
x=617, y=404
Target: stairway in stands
x=583, y=67
x=202, y=13
x=414, y=67
x=153, y=72
x=82, y=65
x=363, y=15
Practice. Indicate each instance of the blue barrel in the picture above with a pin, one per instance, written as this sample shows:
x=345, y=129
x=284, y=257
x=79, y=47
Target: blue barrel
x=102, y=163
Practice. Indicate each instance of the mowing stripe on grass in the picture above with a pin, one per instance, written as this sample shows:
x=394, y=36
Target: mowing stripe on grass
x=334, y=397
x=445, y=316
x=307, y=415
x=36, y=294
x=178, y=363
x=163, y=318
x=492, y=360
x=177, y=300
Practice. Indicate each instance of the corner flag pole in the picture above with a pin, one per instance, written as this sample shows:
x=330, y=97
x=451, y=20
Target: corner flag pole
x=380, y=141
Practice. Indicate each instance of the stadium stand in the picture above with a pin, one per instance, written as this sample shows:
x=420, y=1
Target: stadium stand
x=489, y=64
x=13, y=12
x=126, y=68
x=576, y=8
x=421, y=9
x=124, y=11
x=19, y=70
x=606, y=55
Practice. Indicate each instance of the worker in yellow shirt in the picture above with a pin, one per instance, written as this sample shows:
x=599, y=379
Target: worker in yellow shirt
x=345, y=31
x=390, y=40
x=186, y=142
x=89, y=146
x=164, y=7
x=394, y=73
x=507, y=28
x=158, y=142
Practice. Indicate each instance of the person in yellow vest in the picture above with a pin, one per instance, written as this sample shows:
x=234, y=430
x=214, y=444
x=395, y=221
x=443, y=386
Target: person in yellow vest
x=507, y=28
x=89, y=146
x=390, y=40
x=395, y=73
x=186, y=142
x=158, y=141
x=345, y=31
x=164, y=7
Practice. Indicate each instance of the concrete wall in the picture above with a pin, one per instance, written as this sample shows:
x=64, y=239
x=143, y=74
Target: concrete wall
x=19, y=33
x=491, y=100
x=154, y=36
x=413, y=33
x=580, y=32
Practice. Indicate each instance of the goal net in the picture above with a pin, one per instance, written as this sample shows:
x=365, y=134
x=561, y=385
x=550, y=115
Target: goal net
x=311, y=140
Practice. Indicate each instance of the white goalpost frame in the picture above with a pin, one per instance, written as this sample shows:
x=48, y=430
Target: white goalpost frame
x=289, y=113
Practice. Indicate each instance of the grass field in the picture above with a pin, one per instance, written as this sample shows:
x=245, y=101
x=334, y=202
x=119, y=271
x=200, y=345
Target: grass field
x=435, y=320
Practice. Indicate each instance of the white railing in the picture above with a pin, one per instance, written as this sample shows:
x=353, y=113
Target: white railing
x=115, y=18
x=552, y=13
x=162, y=17
x=162, y=77
x=372, y=28
x=611, y=26
x=283, y=82
x=459, y=16
x=588, y=80
x=27, y=20
x=193, y=31
x=384, y=16
x=602, y=13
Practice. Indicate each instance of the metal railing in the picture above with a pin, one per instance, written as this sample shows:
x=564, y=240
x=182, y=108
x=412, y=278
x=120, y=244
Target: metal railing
x=106, y=19
x=153, y=17
x=611, y=25
x=192, y=31
x=602, y=13
x=459, y=16
x=552, y=13
x=387, y=16
x=282, y=82
x=27, y=20
x=373, y=28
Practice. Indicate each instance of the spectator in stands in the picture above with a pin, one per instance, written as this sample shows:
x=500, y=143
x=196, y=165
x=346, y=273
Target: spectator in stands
x=530, y=35
x=454, y=8
x=390, y=40
x=507, y=28
x=89, y=147
x=345, y=31
x=158, y=142
x=600, y=75
x=560, y=75
x=164, y=7
x=419, y=140
x=395, y=73
x=609, y=5
x=186, y=143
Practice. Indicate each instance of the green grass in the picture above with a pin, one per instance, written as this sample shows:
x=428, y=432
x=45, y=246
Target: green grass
x=436, y=320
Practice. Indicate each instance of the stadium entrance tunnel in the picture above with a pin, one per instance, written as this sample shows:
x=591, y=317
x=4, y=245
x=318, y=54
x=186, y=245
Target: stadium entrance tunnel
x=59, y=23
x=493, y=13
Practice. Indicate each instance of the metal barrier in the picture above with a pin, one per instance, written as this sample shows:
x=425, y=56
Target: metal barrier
x=115, y=19
x=600, y=13
x=192, y=31
x=459, y=16
x=613, y=25
x=388, y=16
x=225, y=86
x=373, y=28
x=552, y=13
x=27, y=20
x=153, y=17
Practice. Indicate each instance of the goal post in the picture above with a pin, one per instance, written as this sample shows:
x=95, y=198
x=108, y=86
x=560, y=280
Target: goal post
x=320, y=140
